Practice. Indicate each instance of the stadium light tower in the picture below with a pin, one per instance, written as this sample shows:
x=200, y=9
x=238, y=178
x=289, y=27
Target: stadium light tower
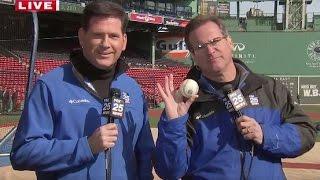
x=295, y=14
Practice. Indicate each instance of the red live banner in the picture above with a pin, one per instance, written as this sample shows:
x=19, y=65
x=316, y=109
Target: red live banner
x=146, y=18
x=37, y=5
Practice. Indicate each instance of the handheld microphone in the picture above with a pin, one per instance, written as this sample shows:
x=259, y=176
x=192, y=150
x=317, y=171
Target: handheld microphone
x=234, y=100
x=117, y=105
x=113, y=107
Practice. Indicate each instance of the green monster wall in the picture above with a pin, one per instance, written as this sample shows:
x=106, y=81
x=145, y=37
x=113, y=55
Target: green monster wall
x=279, y=53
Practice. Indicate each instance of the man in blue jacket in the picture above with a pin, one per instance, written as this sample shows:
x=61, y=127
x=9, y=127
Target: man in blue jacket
x=205, y=137
x=62, y=133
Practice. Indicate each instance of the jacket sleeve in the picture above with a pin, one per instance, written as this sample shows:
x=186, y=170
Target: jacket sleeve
x=145, y=148
x=172, y=150
x=295, y=135
x=34, y=147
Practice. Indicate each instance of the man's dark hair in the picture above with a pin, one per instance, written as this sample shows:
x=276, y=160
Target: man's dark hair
x=104, y=9
x=199, y=21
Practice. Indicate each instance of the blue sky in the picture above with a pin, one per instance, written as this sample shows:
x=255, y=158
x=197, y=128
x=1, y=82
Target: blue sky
x=267, y=7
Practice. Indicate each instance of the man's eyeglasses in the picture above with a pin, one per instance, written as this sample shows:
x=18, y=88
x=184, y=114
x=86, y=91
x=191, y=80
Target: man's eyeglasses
x=211, y=42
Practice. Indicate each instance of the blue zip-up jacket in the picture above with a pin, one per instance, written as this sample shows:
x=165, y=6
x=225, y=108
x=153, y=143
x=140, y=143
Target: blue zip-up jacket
x=62, y=112
x=205, y=144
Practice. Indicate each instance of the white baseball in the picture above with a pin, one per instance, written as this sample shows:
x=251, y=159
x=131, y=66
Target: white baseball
x=188, y=88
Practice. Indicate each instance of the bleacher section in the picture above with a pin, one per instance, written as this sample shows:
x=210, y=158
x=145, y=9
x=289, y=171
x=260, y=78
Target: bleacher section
x=45, y=65
x=13, y=79
x=169, y=9
x=148, y=77
x=10, y=64
x=57, y=49
x=14, y=76
x=140, y=59
x=135, y=58
x=63, y=56
x=143, y=63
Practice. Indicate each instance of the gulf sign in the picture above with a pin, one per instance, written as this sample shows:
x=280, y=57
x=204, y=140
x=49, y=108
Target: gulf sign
x=172, y=48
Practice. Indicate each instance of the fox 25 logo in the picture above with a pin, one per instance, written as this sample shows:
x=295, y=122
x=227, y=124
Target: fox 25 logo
x=117, y=108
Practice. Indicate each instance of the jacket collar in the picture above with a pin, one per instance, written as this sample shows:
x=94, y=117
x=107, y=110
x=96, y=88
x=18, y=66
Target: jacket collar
x=83, y=66
x=120, y=68
x=249, y=82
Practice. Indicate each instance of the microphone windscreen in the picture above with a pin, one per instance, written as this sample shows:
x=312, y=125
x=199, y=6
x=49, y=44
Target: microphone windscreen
x=227, y=88
x=115, y=92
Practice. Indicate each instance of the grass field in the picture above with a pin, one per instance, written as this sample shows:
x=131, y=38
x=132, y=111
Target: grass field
x=9, y=119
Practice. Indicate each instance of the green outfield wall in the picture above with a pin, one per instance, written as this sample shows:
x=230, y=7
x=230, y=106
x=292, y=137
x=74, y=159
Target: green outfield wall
x=279, y=53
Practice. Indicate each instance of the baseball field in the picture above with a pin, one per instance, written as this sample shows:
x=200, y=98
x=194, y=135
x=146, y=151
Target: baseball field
x=305, y=167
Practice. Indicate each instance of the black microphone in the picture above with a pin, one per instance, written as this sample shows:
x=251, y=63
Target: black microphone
x=113, y=107
x=234, y=100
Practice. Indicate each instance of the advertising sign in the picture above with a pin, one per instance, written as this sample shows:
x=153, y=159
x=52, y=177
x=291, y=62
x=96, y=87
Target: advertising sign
x=146, y=18
x=291, y=83
x=309, y=90
x=224, y=8
x=175, y=22
x=7, y=2
x=71, y=7
x=172, y=47
x=279, y=53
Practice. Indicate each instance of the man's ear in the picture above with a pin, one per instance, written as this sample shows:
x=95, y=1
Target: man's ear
x=124, y=41
x=191, y=53
x=230, y=42
x=81, y=36
x=192, y=56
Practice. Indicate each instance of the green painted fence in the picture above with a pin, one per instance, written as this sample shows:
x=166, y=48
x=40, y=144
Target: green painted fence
x=279, y=53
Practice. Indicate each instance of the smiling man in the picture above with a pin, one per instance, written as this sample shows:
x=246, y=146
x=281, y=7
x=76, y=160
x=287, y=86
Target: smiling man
x=205, y=137
x=62, y=133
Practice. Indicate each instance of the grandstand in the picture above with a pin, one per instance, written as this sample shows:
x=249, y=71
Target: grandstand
x=148, y=77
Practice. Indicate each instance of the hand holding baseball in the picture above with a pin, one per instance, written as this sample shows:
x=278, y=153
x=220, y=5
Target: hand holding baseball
x=176, y=104
x=188, y=88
